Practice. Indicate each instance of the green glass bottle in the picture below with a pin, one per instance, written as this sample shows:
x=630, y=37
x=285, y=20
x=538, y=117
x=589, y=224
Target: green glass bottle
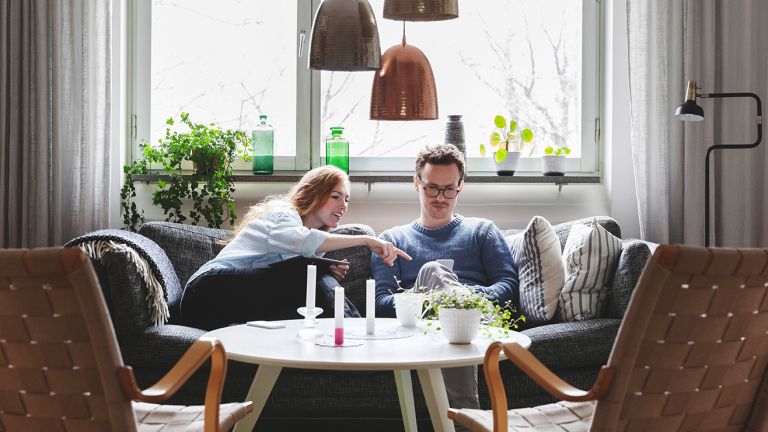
x=263, y=147
x=337, y=149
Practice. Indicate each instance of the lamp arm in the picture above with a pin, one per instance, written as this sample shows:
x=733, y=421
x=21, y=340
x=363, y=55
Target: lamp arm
x=727, y=146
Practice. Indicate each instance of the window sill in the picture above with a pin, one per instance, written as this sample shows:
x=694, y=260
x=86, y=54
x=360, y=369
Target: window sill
x=371, y=177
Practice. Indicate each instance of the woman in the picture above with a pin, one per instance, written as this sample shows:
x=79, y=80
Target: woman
x=238, y=285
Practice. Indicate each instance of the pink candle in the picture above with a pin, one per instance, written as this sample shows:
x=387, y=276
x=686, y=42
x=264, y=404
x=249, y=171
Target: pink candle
x=339, y=316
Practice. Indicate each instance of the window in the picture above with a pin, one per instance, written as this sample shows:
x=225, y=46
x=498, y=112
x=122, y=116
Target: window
x=534, y=64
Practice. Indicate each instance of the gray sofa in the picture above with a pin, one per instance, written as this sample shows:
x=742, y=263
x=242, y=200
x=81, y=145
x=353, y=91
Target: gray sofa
x=333, y=399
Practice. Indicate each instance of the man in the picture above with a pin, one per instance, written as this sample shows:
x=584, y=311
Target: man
x=481, y=257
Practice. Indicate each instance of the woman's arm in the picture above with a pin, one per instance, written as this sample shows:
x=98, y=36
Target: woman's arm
x=384, y=249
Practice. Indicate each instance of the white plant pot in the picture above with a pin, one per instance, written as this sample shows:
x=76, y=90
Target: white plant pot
x=460, y=326
x=553, y=165
x=509, y=165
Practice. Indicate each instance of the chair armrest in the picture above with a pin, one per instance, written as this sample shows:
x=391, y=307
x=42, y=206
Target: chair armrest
x=169, y=384
x=558, y=388
x=531, y=366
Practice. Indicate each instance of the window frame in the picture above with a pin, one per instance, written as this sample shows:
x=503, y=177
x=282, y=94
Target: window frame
x=308, y=98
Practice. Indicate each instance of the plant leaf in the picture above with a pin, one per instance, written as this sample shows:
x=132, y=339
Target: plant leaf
x=495, y=139
x=482, y=150
x=500, y=122
x=526, y=135
x=567, y=150
x=512, y=126
x=548, y=150
x=501, y=155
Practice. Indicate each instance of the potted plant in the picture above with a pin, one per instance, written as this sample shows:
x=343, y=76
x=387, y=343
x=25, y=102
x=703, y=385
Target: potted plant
x=212, y=151
x=464, y=312
x=509, y=144
x=553, y=160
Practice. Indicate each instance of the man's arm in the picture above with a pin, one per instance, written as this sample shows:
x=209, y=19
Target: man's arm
x=384, y=276
x=500, y=268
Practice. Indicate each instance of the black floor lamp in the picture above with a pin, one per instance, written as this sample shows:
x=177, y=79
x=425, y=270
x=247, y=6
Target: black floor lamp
x=691, y=111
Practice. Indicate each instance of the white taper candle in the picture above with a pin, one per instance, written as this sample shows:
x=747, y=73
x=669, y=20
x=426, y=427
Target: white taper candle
x=370, y=306
x=311, y=280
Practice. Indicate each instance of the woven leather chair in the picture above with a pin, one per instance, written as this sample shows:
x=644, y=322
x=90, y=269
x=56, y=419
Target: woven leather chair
x=61, y=370
x=691, y=354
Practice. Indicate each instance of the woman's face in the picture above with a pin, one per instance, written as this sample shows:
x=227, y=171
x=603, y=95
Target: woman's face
x=330, y=213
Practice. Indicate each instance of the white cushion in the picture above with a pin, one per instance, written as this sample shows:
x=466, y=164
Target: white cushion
x=590, y=256
x=536, y=251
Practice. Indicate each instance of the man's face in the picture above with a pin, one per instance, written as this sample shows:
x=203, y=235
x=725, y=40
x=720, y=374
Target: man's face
x=436, y=179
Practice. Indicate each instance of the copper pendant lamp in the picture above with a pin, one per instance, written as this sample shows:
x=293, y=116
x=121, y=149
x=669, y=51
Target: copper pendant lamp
x=345, y=37
x=421, y=10
x=404, y=87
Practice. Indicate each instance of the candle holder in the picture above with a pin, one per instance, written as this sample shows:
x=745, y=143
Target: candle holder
x=309, y=331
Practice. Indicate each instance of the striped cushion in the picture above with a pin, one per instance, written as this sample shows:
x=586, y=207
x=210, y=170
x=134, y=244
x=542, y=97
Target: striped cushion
x=536, y=252
x=590, y=256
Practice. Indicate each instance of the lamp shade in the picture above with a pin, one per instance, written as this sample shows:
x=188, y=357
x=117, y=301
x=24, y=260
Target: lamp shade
x=690, y=110
x=345, y=37
x=421, y=10
x=404, y=87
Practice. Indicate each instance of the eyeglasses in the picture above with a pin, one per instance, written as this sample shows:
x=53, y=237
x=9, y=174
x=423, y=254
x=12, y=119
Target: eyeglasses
x=434, y=191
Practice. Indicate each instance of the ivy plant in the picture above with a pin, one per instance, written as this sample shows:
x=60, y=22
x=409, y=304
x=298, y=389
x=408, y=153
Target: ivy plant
x=208, y=187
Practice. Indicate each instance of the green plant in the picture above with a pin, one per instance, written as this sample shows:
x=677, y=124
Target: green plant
x=552, y=151
x=209, y=187
x=506, y=138
x=460, y=296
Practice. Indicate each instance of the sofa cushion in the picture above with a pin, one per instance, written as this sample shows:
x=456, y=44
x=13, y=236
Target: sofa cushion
x=574, y=345
x=536, y=251
x=127, y=294
x=590, y=256
x=187, y=246
x=634, y=256
x=359, y=264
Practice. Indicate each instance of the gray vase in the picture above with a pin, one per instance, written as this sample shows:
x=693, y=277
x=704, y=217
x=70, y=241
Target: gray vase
x=454, y=133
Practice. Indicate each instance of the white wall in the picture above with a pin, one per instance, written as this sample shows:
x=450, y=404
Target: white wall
x=513, y=205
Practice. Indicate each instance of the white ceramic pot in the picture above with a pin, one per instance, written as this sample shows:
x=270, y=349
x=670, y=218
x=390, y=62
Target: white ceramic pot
x=552, y=165
x=408, y=308
x=460, y=326
x=509, y=165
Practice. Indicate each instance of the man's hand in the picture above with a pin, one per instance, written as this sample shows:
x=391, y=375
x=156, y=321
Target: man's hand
x=386, y=250
x=339, y=271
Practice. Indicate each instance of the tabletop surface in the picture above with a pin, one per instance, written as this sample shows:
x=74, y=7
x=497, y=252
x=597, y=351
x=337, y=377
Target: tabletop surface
x=425, y=348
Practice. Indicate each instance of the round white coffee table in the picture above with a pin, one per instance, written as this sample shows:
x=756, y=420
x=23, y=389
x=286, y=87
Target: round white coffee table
x=427, y=353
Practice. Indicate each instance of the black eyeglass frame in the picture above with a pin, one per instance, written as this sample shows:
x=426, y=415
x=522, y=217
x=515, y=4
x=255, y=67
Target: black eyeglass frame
x=425, y=187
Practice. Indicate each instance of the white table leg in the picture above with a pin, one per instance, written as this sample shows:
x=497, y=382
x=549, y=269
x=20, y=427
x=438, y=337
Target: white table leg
x=405, y=394
x=437, y=398
x=260, y=389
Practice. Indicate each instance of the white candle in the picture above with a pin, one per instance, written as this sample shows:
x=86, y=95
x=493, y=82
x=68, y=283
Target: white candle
x=311, y=280
x=339, y=315
x=370, y=306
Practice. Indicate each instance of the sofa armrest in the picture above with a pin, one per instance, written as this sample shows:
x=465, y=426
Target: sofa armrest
x=573, y=345
x=634, y=254
x=158, y=347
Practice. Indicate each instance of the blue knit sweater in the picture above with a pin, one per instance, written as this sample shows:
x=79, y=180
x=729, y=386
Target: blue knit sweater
x=481, y=259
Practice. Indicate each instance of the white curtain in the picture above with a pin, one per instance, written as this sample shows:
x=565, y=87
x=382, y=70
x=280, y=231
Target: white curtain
x=722, y=46
x=655, y=35
x=54, y=120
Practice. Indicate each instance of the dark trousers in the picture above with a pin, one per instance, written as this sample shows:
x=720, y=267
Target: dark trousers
x=223, y=297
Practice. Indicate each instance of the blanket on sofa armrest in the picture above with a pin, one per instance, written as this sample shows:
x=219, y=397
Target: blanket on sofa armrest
x=150, y=260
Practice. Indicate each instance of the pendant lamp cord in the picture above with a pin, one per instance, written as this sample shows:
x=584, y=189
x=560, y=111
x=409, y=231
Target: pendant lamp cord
x=403, y=33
